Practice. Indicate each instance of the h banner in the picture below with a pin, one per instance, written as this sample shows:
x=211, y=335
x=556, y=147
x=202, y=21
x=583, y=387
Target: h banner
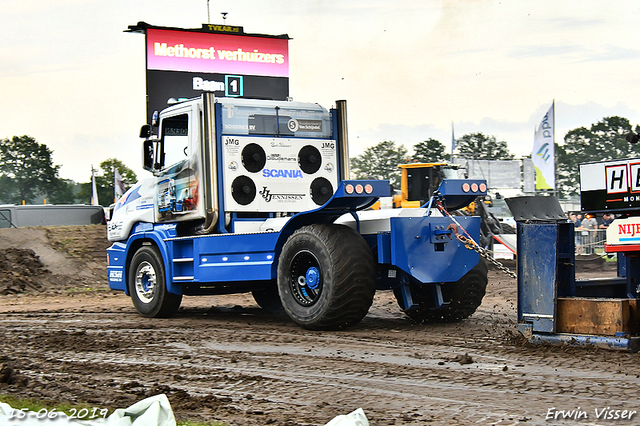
x=543, y=155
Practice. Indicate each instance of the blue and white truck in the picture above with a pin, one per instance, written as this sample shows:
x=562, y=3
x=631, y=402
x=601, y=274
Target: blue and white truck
x=254, y=196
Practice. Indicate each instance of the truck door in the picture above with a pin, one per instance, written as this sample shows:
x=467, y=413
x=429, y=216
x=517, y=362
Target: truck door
x=177, y=186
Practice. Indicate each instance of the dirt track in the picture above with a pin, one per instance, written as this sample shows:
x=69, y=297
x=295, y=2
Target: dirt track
x=222, y=358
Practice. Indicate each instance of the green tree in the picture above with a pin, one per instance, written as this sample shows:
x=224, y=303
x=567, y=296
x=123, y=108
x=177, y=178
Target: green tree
x=26, y=169
x=429, y=151
x=63, y=192
x=604, y=140
x=105, y=180
x=478, y=146
x=380, y=162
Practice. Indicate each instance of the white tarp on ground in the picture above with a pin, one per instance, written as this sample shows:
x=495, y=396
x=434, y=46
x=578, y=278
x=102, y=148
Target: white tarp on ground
x=355, y=418
x=153, y=411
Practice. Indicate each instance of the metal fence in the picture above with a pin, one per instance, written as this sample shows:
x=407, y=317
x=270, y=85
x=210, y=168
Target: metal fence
x=586, y=242
x=590, y=241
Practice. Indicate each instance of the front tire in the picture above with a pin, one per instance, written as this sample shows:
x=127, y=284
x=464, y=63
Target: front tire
x=148, y=287
x=326, y=277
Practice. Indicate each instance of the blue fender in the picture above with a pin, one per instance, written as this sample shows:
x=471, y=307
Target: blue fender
x=343, y=201
x=119, y=254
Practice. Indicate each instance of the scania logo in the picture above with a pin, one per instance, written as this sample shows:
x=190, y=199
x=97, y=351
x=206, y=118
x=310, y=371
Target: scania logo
x=280, y=173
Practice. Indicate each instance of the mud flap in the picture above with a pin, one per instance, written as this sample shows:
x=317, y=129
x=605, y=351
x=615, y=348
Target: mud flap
x=407, y=299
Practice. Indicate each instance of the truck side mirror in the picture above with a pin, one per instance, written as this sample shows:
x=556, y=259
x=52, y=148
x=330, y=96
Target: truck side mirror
x=145, y=131
x=148, y=155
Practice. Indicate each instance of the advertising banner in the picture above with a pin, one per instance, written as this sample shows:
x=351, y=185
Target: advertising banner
x=611, y=185
x=183, y=63
x=217, y=53
x=543, y=154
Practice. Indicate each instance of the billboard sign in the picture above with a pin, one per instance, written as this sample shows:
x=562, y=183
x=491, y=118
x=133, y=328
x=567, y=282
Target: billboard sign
x=610, y=185
x=183, y=63
x=217, y=53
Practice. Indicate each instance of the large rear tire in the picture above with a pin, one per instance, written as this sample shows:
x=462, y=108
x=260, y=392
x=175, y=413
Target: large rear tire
x=464, y=297
x=148, y=286
x=326, y=277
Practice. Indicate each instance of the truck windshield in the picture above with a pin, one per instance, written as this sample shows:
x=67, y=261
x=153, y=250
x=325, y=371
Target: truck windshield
x=422, y=182
x=453, y=173
x=175, y=138
x=286, y=119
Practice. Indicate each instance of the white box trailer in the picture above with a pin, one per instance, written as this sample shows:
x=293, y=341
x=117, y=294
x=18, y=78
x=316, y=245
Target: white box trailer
x=16, y=216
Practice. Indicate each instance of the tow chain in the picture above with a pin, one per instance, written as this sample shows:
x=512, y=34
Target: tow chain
x=470, y=244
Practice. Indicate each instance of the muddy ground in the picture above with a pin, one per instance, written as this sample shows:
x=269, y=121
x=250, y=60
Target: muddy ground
x=64, y=337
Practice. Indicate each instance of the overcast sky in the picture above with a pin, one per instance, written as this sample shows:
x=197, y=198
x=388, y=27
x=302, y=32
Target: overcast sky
x=71, y=78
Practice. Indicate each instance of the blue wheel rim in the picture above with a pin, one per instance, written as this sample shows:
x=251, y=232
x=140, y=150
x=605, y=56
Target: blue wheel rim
x=306, y=278
x=313, y=278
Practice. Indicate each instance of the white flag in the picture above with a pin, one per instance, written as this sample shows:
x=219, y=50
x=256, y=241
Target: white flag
x=453, y=141
x=543, y=155
x=118, y=185
x=94, y=191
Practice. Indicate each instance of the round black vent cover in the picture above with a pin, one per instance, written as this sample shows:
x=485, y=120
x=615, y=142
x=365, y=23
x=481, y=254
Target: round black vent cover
x=309, y=159
x=243, y=190
x=253, y=157
x=321, y=190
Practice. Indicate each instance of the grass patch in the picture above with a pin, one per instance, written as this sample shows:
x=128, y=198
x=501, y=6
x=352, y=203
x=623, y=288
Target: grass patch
x=87, y=289
x=608, y=257
x=74, y=246
x=81, y=411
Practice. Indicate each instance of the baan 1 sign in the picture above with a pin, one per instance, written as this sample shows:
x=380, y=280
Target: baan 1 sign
x=610, y=185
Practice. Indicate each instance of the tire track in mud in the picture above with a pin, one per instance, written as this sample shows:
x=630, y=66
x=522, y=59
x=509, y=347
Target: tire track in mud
x=399, y=372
